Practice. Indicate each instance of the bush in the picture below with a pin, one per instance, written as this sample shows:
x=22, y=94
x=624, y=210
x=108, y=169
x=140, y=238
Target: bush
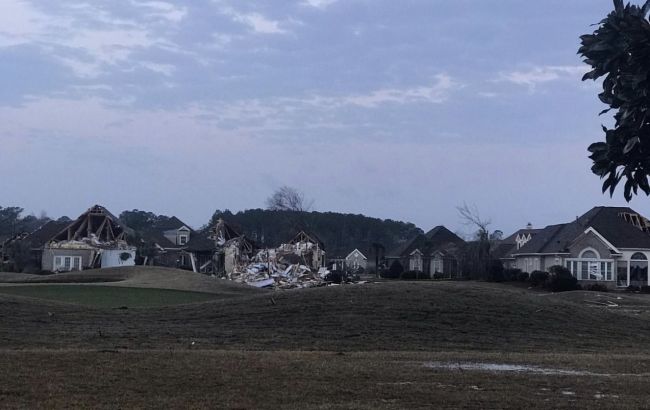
x=561, y=280
x=394, y=272
x=512, y=274
x=522, y=276
x=334, y=277
x=597, y=287
x=538, y=278
x=645, y=289
x=495, y=271
x=632, y=288
x=423, y=276
x=410, y=275
x=438, y=275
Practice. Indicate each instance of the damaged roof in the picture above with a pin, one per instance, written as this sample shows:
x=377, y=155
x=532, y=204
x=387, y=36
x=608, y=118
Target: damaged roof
x=96, y=221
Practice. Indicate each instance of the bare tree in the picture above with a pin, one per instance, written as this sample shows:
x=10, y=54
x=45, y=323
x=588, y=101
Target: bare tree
x=288, y=199
x=472, y=217
x=477, y=253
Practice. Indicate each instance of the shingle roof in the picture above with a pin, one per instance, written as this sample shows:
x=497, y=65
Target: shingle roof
x=200, y=242
x=46, y=233
x=608, y=221
x=428, y=243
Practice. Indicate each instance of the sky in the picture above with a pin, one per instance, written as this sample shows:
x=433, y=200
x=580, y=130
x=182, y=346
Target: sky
x=393, y=109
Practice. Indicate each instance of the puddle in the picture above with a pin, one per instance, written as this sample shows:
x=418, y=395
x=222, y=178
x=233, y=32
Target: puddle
x=509, y=368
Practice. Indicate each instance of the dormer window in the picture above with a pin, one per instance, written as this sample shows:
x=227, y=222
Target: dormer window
x=182, y=239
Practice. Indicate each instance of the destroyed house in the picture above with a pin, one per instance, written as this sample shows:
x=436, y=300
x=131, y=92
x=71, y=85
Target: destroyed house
x=308, y=247
x=172, y=243
x=232, y=250
x=435, y=252
x=97, y=239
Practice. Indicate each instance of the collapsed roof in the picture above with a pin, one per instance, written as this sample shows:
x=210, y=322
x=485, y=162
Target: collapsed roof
x=97, y=222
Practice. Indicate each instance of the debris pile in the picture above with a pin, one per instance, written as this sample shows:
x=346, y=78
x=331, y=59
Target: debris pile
x=278, y=270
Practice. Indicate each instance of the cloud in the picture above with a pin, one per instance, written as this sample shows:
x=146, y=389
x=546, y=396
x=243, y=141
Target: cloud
x=164, y=10
x=83, y=37
x=319, y=4
x=539, y=75
x=255, y=21
x=435, y=93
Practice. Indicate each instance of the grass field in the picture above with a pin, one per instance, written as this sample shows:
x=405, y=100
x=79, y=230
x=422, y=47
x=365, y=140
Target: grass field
x=387, y=345
x=108, y=296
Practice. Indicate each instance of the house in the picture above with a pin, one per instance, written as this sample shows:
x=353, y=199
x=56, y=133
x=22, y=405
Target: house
x=309, y=249
x=97, y=239
x=504, y=249
x=434, y=252
x=356, y=260
x=607, y=245
x=232, y=250
x=172, y=243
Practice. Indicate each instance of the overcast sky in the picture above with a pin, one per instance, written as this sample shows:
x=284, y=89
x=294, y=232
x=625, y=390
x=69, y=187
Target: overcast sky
x=394, y=109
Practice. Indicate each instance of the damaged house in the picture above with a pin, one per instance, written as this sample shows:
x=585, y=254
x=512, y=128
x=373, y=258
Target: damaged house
x=232, y=250
x=97, y=239
x=309, y=250
x=172, y=243
x=437, y=251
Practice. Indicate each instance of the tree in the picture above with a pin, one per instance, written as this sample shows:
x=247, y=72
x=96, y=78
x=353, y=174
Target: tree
x=288, y=199
x=619, y=51
x=477, y=254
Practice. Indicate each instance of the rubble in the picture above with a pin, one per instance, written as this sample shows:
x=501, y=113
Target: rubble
x=278, y=269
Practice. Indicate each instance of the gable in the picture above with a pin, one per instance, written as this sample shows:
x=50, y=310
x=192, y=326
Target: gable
x=592, y=240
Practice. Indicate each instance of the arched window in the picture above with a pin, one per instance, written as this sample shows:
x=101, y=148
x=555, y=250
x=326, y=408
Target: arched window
x=589, y=254
x=639, y=269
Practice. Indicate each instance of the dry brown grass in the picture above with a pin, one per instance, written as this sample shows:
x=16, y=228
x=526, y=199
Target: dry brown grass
x=310, y=380
x=338, y=347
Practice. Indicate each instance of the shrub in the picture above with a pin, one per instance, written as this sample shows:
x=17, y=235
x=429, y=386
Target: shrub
x=522, y=276
x=394, y=272
x=596, y=287
x=423, y=276
x=495, y=271
x=438, y=275
x=410, y=275
x=645, y=289
x=538, y=278
x=632, y=288
x=561, y=280
x=512, y=274
x=334, y=277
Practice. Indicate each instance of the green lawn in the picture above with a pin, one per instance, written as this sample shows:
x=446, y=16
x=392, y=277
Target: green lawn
x=108, y=296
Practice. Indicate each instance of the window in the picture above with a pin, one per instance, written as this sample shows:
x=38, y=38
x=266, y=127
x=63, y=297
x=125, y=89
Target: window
x=621, y=274
x=436, y=265
x=182, y=239
x=591, y=268
x=638, y=270
x=589, y=254
x=415, y=263
x=67, y=263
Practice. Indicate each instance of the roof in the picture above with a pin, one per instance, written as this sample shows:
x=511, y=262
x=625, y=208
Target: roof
x=46, y=233
x=356, y=250
x=506, y=247
x=610, y=222
x=434, y=240
x=303, y=236
x=97, y=221
x=156, y=232
x=200, y=242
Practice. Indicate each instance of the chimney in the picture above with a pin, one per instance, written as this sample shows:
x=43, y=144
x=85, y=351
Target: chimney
x=529, y=226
